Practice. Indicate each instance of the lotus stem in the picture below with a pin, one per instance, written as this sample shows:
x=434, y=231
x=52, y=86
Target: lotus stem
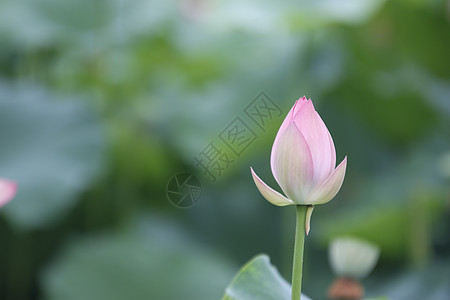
x=297, y=268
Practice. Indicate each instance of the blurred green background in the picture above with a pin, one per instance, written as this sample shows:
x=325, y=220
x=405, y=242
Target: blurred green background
x=102, y=102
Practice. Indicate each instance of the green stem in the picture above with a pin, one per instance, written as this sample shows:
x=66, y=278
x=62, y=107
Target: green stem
x=297, y=268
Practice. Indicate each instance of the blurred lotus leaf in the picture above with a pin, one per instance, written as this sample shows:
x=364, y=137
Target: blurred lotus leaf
x=155, y=263
x=430, y=282
x=51, y=147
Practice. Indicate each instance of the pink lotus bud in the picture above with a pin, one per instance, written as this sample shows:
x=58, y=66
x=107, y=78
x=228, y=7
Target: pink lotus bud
x=303, y=160
x=7, y=191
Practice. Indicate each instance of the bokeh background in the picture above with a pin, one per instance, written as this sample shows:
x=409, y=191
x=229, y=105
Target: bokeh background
x=102, y=102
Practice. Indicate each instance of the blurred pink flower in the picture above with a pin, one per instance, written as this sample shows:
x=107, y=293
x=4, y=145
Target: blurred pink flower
x=8, y=190
x=303, y=160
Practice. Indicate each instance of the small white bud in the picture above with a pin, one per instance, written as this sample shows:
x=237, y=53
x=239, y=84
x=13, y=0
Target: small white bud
x=354, y=258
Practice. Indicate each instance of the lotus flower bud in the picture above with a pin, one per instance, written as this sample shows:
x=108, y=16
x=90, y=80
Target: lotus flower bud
x=354, y=258
x=303, y=160
x=7, y=191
